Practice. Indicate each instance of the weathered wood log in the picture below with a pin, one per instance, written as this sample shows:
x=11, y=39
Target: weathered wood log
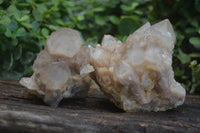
x=23, y=112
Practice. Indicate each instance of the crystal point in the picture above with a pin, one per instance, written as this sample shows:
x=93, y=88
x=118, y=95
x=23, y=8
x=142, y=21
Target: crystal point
x=140, y=74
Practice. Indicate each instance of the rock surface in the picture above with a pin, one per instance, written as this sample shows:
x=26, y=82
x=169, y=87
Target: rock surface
x=61, y=70
x=137, y=74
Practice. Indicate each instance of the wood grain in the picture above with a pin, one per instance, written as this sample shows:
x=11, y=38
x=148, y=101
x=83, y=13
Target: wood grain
x=22, y=112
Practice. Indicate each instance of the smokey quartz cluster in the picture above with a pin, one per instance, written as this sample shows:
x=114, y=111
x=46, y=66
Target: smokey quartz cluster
x=135, y=75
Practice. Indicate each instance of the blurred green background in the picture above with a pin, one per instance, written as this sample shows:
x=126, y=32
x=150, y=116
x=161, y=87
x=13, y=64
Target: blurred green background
x=25, y=25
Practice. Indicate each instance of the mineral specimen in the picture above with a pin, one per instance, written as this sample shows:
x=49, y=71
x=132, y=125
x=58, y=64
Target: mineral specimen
x=137, y=74
x=134, y=75
x=61, y=70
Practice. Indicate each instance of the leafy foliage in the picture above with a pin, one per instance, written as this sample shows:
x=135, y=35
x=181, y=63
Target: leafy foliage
x=25, y=25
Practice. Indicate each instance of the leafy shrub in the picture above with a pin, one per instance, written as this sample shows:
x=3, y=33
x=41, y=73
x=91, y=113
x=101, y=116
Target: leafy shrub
x=25, y=25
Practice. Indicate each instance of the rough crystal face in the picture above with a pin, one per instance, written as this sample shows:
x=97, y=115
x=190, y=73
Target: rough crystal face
x=137, y=74
x=56, y=43
x=134, y=75
x=61, y=70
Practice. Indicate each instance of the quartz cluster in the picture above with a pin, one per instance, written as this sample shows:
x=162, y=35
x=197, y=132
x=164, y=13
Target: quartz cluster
x=62, y=69
x=135, y=75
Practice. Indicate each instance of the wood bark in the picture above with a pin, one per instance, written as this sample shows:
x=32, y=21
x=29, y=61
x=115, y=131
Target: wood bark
x=23, y=112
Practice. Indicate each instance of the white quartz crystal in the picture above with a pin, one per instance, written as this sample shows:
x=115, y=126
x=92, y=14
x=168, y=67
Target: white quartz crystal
x=61, y=70
x=134, y=75
x=56, y=43
x=137, y=74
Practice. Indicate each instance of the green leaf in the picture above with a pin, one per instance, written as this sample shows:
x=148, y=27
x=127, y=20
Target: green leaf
x=90, y=12
x=193, y=63
x=25, y=17
x=36, y=26
x=68, y=4
x=21, y=32
x=2, y=12
x=184, y=58
x=190, y=30
x=23, y=5
x=195, y=41
x=52, y=27
x=80, y=26
x=1, y=1
x=13, y=10
x=91, y=42
x=114, y=19
x=8, y=33
x=99, y=9
x=127, y=26
x=60, y=22
x=2, y=29
x=28, y=71
x=27, y=25
x=30, y=1
x=138, y=12
x=14, y=42
x=42, y=8
x=45, y=32
x=37, y=15
x=54, y=9
x=43, y=42
x=5, y=20
x=121, y=38
x=194, y=22
x=69, y=24
x=178, y=72
x=55, y=2
x=180, y=38
x=80, y=17
x=100, y=20
x=129, y=8
x=13, y=26
x=26, y=11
